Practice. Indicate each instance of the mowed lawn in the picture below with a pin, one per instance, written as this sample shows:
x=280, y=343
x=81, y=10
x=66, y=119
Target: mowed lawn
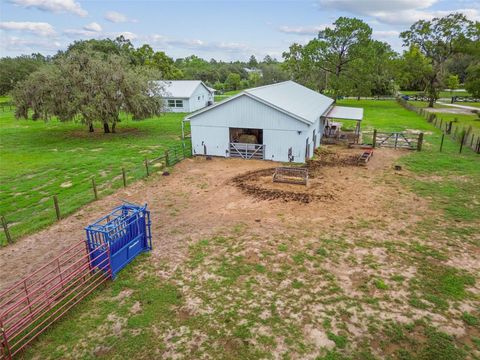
x=39, y=160
x=252, y=308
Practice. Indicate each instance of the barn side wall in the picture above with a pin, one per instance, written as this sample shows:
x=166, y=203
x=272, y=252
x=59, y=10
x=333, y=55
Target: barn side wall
x=280, y=131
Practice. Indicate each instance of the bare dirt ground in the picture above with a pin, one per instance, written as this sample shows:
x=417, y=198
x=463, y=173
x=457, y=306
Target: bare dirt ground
x=355, y=264
x=201, y=196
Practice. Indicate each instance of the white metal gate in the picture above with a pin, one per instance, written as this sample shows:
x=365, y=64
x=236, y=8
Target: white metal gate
x=247, y=151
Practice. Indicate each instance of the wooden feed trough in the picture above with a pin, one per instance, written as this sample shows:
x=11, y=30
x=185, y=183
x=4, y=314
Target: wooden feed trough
x=365, y=157
x=291, y=175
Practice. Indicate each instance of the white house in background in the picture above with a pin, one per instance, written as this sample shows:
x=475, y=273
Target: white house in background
x=186, y=95
x=280, y=122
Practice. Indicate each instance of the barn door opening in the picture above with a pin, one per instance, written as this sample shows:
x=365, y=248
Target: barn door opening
x=246, y=143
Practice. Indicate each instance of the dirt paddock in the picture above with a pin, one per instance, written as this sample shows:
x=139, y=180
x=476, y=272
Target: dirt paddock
x=201, y=196
x=350, y=254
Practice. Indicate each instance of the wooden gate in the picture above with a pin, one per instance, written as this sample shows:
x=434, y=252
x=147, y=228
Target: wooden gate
x=398, y=140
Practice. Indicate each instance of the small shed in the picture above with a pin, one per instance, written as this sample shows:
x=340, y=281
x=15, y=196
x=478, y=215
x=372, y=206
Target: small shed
x=333, y=128
x=281, y=122
x=186, y=95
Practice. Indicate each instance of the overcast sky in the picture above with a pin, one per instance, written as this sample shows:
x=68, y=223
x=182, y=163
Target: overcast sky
x=221, y=29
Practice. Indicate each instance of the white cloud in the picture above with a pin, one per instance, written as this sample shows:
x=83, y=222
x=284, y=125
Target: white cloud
x=471, y=14
x=302, y=30
x=81, y=33
x=92, y=34
x=126, y=34
x=368, y=7
x=29, y=45
x=37, y=28
x=115, y=17
x=395, y=12
x=200, y=45
x=56, y=6
x=95, y=27
x=385, y=34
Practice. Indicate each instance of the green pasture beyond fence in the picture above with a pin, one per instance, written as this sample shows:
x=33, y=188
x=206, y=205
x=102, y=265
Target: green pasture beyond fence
x=465, y=136
x=62, y=206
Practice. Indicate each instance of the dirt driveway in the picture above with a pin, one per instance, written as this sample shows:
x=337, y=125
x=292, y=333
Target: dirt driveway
x=198, y=198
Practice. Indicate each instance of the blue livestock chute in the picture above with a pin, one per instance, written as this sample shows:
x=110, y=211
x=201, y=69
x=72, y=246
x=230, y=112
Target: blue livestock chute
x=125, y=233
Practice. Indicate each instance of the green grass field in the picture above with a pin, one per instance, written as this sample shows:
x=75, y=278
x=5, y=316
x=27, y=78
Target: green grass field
x=39, y=160
x=226, y=95
x=234, y=324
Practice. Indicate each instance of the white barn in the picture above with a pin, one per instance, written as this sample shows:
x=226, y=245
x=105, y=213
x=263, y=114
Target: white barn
x=281, y=122
x=186, y=95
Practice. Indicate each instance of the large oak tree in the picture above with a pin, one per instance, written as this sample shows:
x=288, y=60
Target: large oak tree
x=438, y=39
x=90, y=86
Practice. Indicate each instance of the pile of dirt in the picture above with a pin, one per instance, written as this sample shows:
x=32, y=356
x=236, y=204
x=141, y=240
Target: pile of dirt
x=248, y=184
x=259, y=183
x=327, y=157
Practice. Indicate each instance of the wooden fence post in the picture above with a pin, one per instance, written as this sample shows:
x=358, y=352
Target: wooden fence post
x=166, y=158
x=124, y=176
x=57, y=208
x=146, y=167
x=374, y=141
x=94, y=186
x=461, y=142
x=7, y=232
x=441, y=142
x=420, y=142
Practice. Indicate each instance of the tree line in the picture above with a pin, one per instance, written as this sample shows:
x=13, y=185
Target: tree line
x=95, y=80
x=345, y=60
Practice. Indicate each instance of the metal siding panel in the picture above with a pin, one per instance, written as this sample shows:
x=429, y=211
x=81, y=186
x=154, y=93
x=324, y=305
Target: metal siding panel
x=245, y=112
x=216, y=140
x=277, y=143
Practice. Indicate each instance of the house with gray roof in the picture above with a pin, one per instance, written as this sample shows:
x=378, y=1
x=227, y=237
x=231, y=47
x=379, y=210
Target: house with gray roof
x=280, y=122
x=185, y=95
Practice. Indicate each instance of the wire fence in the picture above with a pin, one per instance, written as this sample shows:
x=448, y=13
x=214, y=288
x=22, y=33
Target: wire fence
x=53, y=207
x=6, y=106
x=466, y=136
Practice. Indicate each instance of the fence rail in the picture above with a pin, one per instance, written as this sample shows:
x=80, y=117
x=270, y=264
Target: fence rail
x=464, y=135
x=31, y=305
x=59, y=206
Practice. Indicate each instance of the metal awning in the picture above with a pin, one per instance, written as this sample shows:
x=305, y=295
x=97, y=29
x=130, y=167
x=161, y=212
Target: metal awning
x=346, y=113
